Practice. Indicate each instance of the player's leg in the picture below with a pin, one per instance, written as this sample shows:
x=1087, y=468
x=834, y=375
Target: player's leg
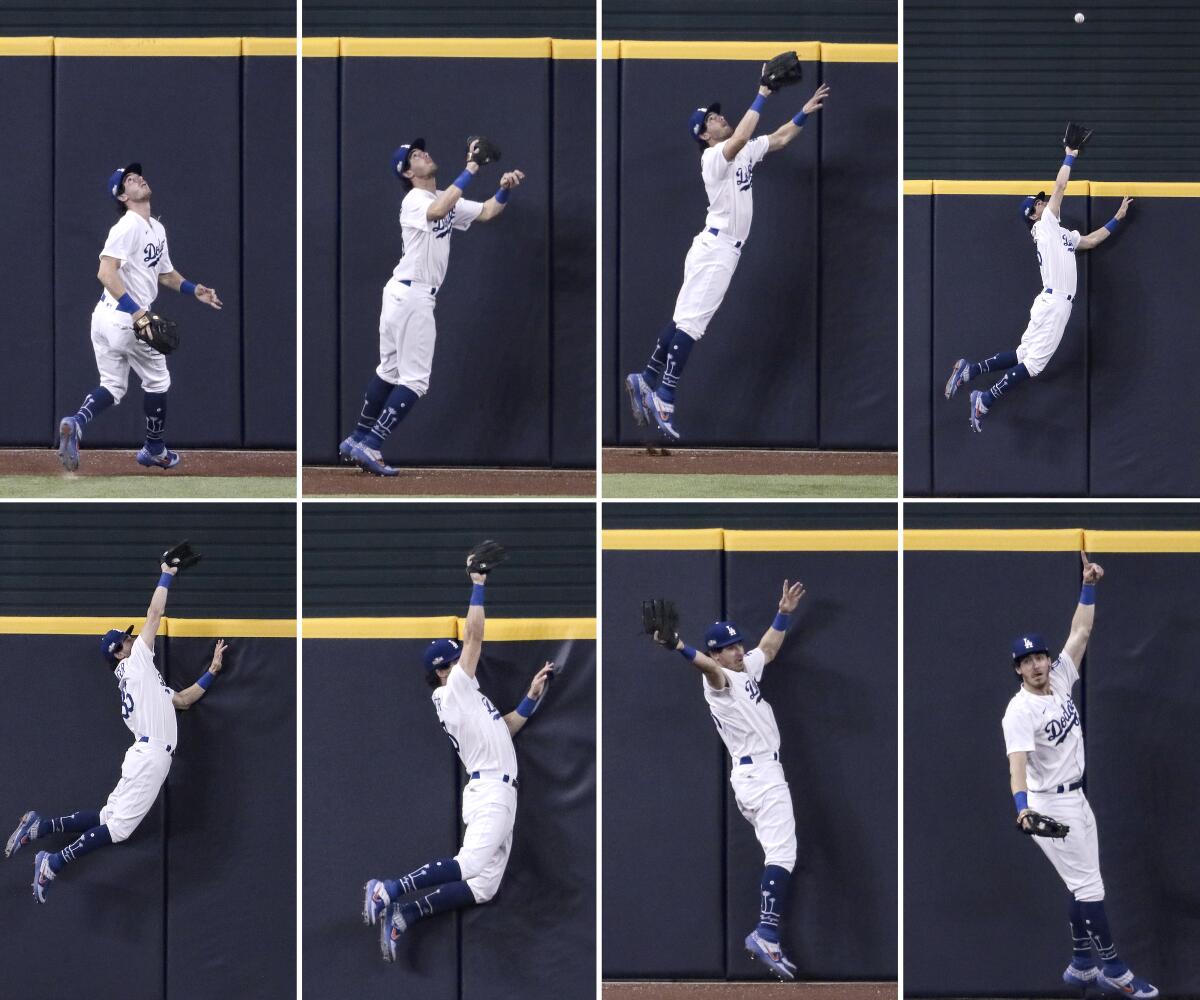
x=386, y=376
x=1047, y=321
x=964, y=371
x=114, y=377
x=381, y=893
x=151, y=369
x=33, y=827
x=640, y=387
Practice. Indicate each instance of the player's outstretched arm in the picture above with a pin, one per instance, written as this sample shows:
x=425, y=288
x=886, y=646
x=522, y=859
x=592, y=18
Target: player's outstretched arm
x=473, y=628
x=745, y=128
x=790, y=129
x=109, y=276
x=710, y=668
x=495, y=204
x=158, y=604
x=773, y=637
x=440, y=207
x=1085, y=613
x=193, y=693
x=1060, y=183
x=1017, y=783
x=1103, y=233
x=178, y=283
x=532, y=700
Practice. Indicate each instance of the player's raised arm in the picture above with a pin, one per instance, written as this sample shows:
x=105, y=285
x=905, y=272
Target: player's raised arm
x=194, y=692
x=790, y=129
x=1054, y=207
x=1085, y=613
x=495, y=204
x=158, y=604
x=473, y=628
x=532, y=700
x=773, y=637
x=1100, y=235
x=745, y=128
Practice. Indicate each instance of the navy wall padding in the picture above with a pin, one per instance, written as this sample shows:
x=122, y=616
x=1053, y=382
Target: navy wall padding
x=379, y=755
x=762, y=343
x=612, y=404
x=664, y=770
x=26, y=412
x=269, y=251
x=919, y=380
x=985, y=278
x=573, y=269
x=320, y=223
x=857, y=287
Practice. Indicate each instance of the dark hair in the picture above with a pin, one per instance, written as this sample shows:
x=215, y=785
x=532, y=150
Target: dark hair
x=432, y=679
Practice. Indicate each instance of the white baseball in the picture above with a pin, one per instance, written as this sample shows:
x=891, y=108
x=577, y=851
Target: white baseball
x=1079, y=18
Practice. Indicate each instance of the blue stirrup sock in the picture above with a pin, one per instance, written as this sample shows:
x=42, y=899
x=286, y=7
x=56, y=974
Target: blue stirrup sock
x=94, y=403
x=77, y=822
x=1015, y=377
x=681, y=347
x=437, y=872
x=95, y=838
x=774, y=886
x=1095, y=922
x=657, y=364
x=155, y=406
x=399, y=404
x=1081, y=944
x=374, y=399
x=451, y=896
x=996, y=363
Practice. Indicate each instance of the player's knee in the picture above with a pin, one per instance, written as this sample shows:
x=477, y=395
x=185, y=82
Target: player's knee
x=418, y=386
x=118, y=831
x=115, y=388
x=157, y=384
x=483, y=889
x=1093, y=892
x=784, y=855
x=690, y=329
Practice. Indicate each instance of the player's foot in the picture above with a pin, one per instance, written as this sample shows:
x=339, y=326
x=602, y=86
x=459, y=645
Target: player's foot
x=369, y=460
x=69, y=436
x=978, y=411
x=770, y=953
x=958, y=376
x=1127, y=985
x=390, y=929
x=1081, y=978
x=375, y=901
x=634, y=389
x=43, y=875
x=345, y=448
x=23, y=834
x=165, y=459
x=663, y=413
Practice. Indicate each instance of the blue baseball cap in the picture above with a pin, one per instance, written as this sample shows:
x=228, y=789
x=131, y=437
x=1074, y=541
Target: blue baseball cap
x=116, y=181
x=111, y=641
x=1027, y=644
x=400, y=156
x=442, y=653
x=699, y=116
x=718, y=635
x=1027, y=204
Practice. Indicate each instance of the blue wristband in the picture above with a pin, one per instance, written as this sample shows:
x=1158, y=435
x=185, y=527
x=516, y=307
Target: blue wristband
x=126, y=304
x=463, y=179
x=1087, y=594
x=187, y=287
x=688, y=654
x=759, y=102
x=800, y=119
x=1068, y=161
x=501, y=196
x=1021, y=800
x=527, y=707
x=477, y=594
x=206, y=679
x=1111, y=225
x=780, y=623
x=165, y=579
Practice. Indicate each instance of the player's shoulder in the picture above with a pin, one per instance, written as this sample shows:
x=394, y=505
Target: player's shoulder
x=127, y=223
x=416, y=195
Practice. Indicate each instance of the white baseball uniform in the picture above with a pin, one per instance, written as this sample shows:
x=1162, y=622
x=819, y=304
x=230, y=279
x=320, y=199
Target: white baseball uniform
x=406, y=328
x=1051, y=310
x=141, y=247
x=713, y=257
x=489, y=808
x=1048, y=729
x=747, y=726
x=148, y=712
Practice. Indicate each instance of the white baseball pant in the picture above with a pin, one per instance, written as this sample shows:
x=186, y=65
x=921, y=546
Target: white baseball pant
x=407, y=334
x=1076, y=857
x=118, y=350
x=707, y=271
x=143, y=772
x=1047, y=320
x=489, y=810
x=762, y=795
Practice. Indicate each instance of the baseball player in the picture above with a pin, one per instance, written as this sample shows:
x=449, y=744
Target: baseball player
x=1044, y=740
x=1056, y=248
x=746, y=724
x=406, y=327
x=728, y=157
x=148, y=709
x=134, y=262
x=482, y=738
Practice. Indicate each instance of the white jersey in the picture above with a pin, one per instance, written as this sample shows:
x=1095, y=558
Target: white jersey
x=743, y=717
x=141, y=246
x=474, y=725
x=1048, y=729
x=728, y=184
x=427, y=244
x=1055, y=253
x=145, y=698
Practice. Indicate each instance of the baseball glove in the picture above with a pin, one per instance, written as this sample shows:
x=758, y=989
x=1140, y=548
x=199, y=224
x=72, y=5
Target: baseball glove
x=782, y=71
x=160, y=334
x=485, y=557
x=660, y=621
x=1076, y=136
x=485, y=152
x=181, y=556
x=1042, y=826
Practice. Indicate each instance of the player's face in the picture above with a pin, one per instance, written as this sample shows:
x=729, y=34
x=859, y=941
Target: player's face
x=420, y=164
x=716, y=128
x=136, y=188
x=126, y=647
x=1035, y=671
x=1038, y=208
x=731, y=657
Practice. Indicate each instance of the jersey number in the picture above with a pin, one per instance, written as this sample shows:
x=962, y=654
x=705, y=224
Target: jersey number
x=490, y=707
x=752, y=690
x=126, y=701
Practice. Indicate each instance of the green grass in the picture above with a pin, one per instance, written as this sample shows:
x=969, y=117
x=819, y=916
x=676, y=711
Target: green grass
x=635, y=484
x=147, y=487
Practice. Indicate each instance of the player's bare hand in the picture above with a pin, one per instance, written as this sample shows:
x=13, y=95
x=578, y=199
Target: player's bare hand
x=1023, y=819
x=1125, y=203
x=1092, y=572
x=538, y=684
x=512, y=179
x=817, y=101
x=763, y=89
x=218, y=653
x=792, y=592
x=168, y=569
x=208, y=296
x=1070, y=152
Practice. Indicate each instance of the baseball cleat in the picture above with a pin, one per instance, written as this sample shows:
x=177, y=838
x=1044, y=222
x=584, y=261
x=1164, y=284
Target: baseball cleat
x=634, y=389
x=165, y=459
x=662, y=412
x=43, y=875
x=978, y=411
x=1081, y=979
x=345, y=448
x=23, y=834
x=369, y=460
x=69, y=436
x=375, y=901
x=958, y=376
x=390, y=929
x=764, y=950
x=1127, y=985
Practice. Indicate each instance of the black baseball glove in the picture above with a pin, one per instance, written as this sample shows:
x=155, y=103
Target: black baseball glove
x=660, y=621
x=486, y=556
x=782, y=71
x=1042, y=826
x=159, y=333
x=485, y=151
x=1076, y=136
x=181, y=556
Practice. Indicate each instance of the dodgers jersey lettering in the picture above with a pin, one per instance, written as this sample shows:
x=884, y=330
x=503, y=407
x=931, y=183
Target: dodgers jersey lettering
x=474, y=725
x=743, y=716
x=145, y=698
x=1055, y=253
x=728, y=184
x=427, y=244
x=141, y=246
x=1048, y=729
